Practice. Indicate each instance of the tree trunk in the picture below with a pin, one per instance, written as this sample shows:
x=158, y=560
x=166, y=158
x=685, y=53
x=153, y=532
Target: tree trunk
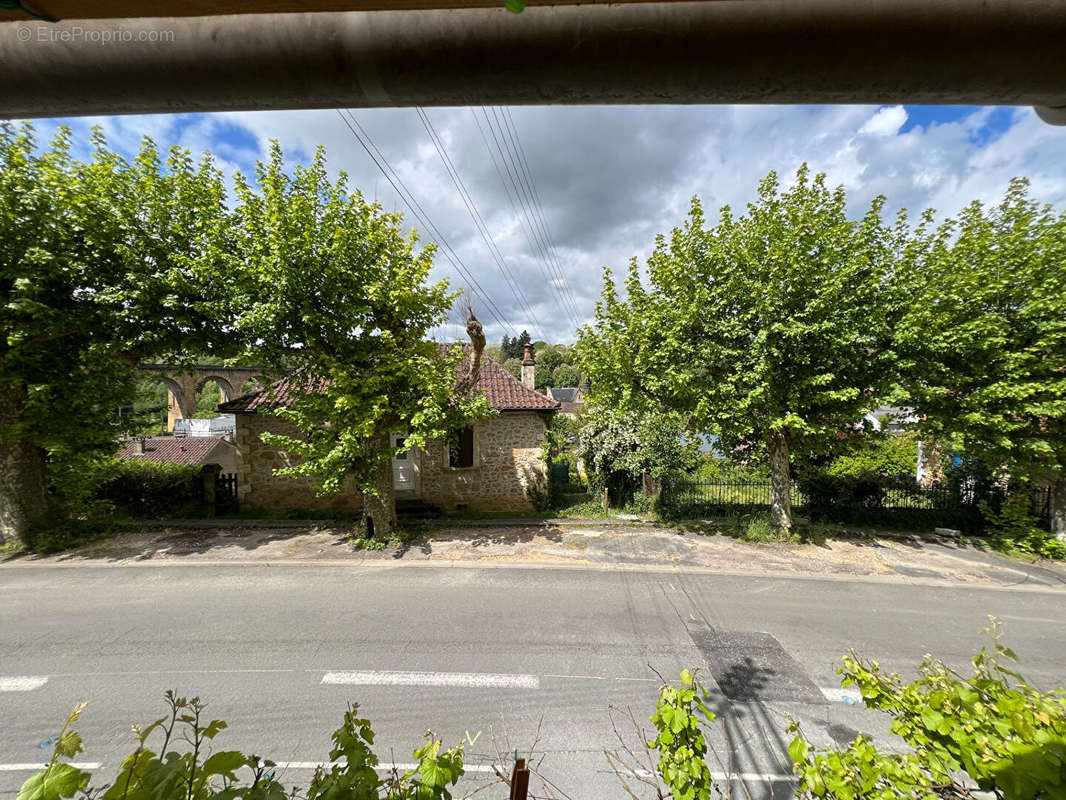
x=780, y=483
x=379, y=511
x=1058, y=508
x=24, y=506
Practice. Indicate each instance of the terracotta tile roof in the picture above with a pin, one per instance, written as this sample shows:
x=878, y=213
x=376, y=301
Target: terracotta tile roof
x=506, y=393
x=279, y=394
x=503, y=390
x=189, y=450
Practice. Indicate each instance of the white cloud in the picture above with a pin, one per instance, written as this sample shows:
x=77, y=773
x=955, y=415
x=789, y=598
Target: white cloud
x=610, y=178
x=886, y=122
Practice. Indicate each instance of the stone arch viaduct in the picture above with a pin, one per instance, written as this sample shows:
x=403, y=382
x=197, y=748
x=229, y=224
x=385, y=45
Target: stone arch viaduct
x=182, y=384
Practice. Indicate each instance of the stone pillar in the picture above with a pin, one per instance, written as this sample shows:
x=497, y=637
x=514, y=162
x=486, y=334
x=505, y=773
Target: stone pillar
x=181, y=399
x=208, y=475
x=529, y=369
x=930, y=463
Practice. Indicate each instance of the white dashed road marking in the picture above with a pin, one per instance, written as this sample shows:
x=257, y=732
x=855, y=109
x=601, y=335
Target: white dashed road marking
x=22, y=683
x=283, y=765
x=466, y=680
x=847, y=694
x=771, y=777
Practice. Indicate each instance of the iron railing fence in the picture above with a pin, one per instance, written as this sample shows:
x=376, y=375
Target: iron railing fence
x=890, y=504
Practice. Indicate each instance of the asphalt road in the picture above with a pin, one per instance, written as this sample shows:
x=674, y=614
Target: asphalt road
x=278, y=650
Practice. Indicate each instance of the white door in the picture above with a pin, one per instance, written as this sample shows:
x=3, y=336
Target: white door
x=403, y=472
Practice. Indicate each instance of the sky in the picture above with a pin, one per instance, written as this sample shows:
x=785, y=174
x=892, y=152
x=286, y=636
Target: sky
x=575, y=189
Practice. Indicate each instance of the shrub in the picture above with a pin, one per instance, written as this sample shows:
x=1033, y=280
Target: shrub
x=639, y=503
x=194, y=772
x=679, y=739
x=619, y=449
x=1013, y=530
x=150, y=490
x=721, y=470
x=879, y=456
x=993, y=726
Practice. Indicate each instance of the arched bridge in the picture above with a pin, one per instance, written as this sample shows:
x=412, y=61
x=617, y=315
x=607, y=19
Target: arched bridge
x=183, y=383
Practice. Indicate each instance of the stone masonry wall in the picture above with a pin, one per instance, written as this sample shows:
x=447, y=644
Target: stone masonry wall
x=258, y=487
x=507, y=459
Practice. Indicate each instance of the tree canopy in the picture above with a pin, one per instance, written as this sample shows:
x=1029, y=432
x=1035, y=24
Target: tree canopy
x=984, y=336
x=103, y=263
x=768, y=329
x=333, y=294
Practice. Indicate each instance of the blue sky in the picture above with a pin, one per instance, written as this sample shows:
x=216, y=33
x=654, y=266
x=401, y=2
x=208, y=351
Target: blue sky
x=608, y=179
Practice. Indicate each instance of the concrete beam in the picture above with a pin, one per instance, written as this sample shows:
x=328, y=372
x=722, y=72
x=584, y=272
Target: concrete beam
x=755, y=51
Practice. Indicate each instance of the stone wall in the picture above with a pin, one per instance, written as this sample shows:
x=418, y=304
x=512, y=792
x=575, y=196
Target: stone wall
x=507, y=459
x=259, y=487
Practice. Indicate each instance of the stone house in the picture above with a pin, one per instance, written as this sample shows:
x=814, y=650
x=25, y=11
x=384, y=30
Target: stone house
x=492, y=468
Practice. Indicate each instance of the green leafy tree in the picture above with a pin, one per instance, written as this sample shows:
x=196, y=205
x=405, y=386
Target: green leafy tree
x=103, y=263
x=566, y=375
x=518, y=345
x=334, y=295
x=207, y=399
x=619, y=449
x=188, y=767
x=767, y=329
x=548, y=359
x=983, y=338
x=514, y=366
x=542, y=379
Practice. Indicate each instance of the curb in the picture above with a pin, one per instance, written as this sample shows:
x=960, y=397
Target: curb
x=619, y=567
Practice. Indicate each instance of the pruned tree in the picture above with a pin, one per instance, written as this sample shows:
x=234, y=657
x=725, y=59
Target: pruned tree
x=983, y=336
x=767, y=329
x=103, y=263
x=334, y=294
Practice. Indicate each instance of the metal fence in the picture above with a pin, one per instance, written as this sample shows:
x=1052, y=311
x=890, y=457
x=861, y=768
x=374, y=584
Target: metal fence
x=731, y=494
x=226, y=494
x=902, y=504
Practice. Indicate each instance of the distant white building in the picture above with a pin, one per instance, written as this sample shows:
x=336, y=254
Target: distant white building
x=225, y=425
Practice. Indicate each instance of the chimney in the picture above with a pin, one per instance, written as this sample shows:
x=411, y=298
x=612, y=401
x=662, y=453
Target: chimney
x=529, y=369
x=138, y=446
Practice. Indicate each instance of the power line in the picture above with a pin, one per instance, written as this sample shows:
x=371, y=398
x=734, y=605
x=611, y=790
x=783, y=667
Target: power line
x=507, y=155
x=418, y=212
x=540, y=207
x=528, y=206
x=526, y=198
x=477, y=218
x=515, y=201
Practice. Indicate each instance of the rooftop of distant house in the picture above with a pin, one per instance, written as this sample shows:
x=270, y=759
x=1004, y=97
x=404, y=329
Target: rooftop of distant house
x=502, y=389
x=189, y=451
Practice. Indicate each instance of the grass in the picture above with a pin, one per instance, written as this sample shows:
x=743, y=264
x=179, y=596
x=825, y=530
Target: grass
x=407, y=533
x=10, y=548
x=755, y=528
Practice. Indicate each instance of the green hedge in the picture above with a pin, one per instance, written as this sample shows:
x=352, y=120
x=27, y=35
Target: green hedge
x=884, y=502
x=149, y=490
